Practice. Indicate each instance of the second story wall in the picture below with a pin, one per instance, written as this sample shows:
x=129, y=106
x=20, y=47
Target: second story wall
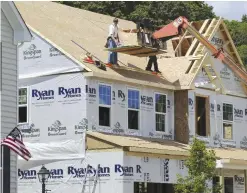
x=132, y=110
x=52, y=108
x=74, y=103
x=40, y=57
x=219, y=120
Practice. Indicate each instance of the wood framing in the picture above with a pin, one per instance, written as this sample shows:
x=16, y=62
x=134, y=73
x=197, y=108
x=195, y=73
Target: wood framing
x=207, y=114
x=181, y=116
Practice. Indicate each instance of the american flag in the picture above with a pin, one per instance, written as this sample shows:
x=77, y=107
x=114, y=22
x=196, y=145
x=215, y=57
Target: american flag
x=14, y=142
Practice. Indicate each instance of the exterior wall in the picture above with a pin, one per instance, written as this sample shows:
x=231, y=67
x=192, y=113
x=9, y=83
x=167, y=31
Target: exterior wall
x=38, y=57
x=118, y=172
x=56, y=107
x=84, y=108
x=181, y=116
x=216, y=119
x=9, y=90
x=119, y=110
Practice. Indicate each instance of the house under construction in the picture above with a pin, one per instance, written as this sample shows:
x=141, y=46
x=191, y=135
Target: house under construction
x=139, y=124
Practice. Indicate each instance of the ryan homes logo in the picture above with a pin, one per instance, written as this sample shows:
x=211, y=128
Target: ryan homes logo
x=238, y=113
x=27, y=174
x=90, y=91
x=32, y=174
x=126, y=170
x=69, y=92
x=42, y=94
x=56, y=173
x=165, y=164
x=80, y=172
x=57, y=129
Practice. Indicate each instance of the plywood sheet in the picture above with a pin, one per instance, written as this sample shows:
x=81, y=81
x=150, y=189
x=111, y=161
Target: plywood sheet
x=139, y=51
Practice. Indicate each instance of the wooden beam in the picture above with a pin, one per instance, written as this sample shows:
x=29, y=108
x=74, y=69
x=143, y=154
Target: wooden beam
x=181, y=40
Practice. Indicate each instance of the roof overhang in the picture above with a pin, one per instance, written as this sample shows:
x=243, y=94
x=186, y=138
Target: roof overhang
x=141, y=146
x=230, y=163
x=21, y=31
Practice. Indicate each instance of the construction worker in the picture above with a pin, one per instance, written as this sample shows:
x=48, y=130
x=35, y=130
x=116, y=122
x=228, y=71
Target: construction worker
x=113, y=41
x=153, y=59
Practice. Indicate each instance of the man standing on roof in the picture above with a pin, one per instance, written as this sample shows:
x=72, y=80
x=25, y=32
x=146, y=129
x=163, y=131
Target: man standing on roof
x=113, y=41
x=153, y=59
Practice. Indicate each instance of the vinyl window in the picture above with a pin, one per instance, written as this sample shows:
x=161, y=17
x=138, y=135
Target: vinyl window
x=104, y=105
x=160, y=112
x=133, y=109
x=227, y=121
x=23, y=105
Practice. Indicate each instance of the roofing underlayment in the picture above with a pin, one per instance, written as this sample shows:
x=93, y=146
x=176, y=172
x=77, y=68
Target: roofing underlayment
x=59, y=24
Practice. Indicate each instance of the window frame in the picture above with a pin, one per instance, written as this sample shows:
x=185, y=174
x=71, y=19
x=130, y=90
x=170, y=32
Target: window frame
x=138, y=110
x=207, y=114
x=23, y=105
x=166, y=125
x=106, y=106
x=226, y=121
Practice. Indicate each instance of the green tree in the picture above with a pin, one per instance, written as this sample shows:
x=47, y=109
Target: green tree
x=238, y=31
x=162, y=12
x=201, y=166
x=244, y=18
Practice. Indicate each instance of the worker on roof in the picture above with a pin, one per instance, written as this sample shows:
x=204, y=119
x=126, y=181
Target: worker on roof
x=153, y=59
x=113, y=41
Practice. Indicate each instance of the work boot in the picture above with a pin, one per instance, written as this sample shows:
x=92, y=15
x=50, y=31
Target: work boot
x=157, y=71
x=148, y=69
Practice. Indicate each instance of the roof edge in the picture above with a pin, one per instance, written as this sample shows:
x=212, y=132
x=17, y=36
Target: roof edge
x=21, y=31
x=125, y=80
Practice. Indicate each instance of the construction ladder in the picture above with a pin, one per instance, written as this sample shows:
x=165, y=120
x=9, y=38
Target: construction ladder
x=94, y=181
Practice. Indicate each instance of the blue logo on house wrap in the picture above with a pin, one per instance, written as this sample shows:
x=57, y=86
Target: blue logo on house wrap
x=27, y=174
x=69, y=92
x=56, y=173
x=126, y=170
x=80, y=172
x=42, y=94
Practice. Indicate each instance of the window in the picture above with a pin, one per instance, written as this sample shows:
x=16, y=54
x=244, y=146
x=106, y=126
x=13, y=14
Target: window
x=133, y=109
x=23, y=100
x=104, y=105
x=227, y=121
x=160, y=112
x=202, y=116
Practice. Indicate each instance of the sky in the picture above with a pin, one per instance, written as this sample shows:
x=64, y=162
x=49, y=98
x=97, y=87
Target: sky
x=231, y=10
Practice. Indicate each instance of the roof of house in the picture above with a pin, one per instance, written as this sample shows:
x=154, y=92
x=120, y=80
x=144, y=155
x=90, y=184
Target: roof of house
x=161, y=146
x=59, y=24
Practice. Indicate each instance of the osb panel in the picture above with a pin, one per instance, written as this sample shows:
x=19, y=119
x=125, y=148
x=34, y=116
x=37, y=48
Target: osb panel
x=93, y=144
x=136, y=50
x=181, y=114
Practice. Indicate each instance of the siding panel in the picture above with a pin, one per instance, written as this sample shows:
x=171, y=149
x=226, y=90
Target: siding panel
x=9, y=91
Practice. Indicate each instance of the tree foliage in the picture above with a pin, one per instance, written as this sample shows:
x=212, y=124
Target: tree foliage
x=163, y=12
x=201, y=166
x=238, y=31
